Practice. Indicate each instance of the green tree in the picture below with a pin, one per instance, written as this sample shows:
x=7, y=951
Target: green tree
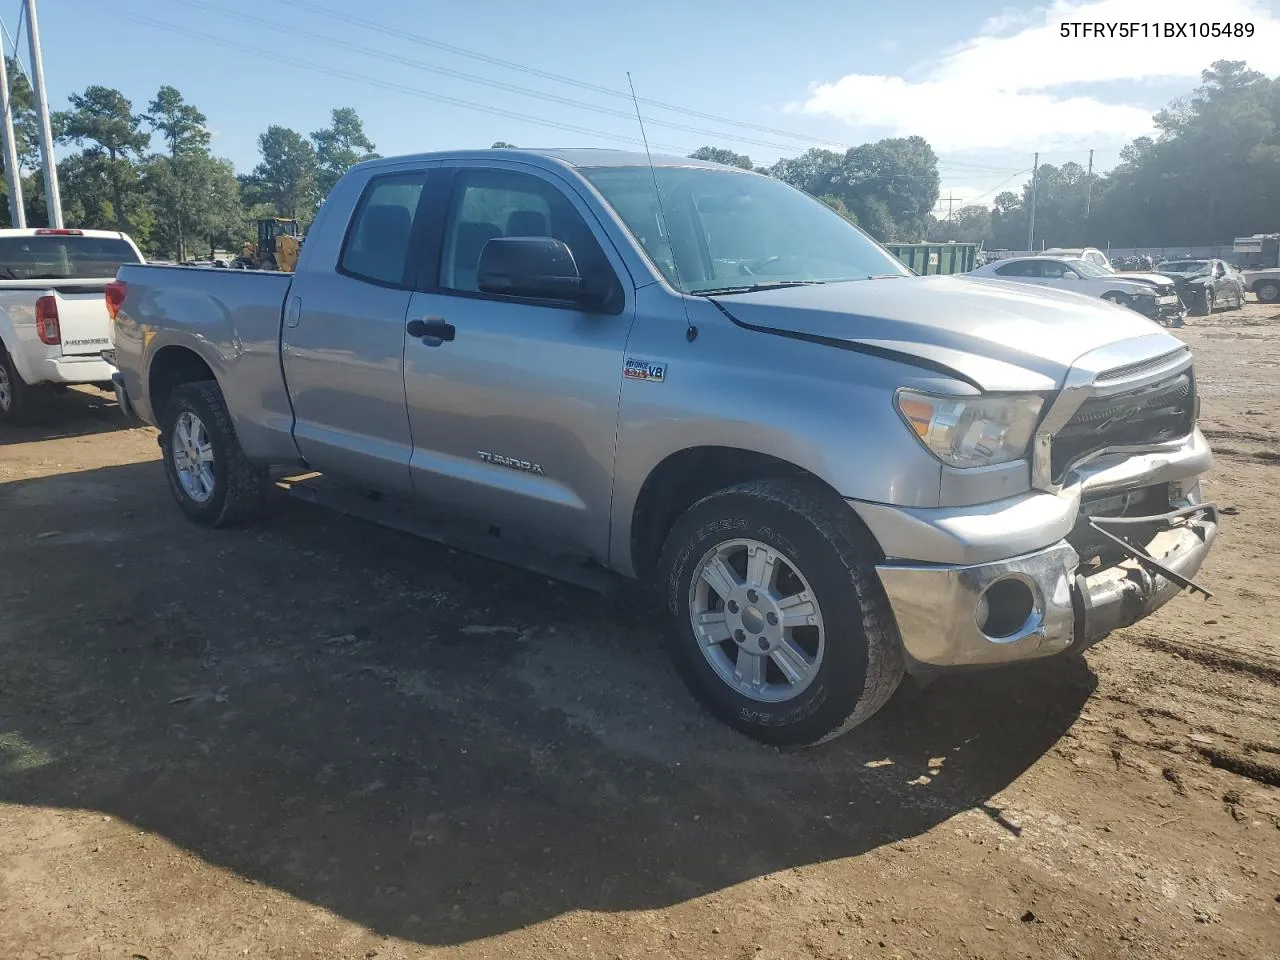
x=891, y=186
x=101, y=121
x=287, y=176
x=197, y=200
x=969, y=224
x=339, y=147
x=179, y=184
x=1211, y=173
x=814, y=171
x=721, y=155
x=26, y=141
x=500, y=144
x=181, y=125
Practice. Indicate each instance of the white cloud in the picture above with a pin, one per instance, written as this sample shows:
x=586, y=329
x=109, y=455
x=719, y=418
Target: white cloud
x=1003, y=90
x=1007, y=19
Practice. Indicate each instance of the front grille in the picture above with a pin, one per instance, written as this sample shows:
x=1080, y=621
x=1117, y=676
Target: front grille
x=1141, y=367
x=1153, y=413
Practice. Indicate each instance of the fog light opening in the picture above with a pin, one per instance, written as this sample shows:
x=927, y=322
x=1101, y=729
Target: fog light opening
x=1005, y=608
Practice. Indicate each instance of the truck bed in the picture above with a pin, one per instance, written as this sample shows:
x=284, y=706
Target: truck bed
x=234, y=317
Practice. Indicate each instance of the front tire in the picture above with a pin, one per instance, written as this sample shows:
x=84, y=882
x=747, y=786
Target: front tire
x=1207, y=304
x=209, y=475
x=777, y=621
x=1268, y=291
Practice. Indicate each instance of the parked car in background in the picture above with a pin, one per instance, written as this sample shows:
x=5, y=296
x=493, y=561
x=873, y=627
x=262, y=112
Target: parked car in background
x=1089, y=254
x=513, y=338
x=54, y=327
x=1155, y=300
x=1205, y=285
x=1263, y=284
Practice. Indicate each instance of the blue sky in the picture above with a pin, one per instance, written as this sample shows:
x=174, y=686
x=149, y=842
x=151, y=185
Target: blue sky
x=986, y=83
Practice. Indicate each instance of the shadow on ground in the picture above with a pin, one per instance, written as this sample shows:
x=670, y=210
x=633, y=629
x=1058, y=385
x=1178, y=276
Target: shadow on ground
x=423, y=742
x=68, y=413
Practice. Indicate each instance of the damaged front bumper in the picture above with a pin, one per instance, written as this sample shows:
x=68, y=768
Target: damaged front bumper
x=1044, y=602
x=1168, y=310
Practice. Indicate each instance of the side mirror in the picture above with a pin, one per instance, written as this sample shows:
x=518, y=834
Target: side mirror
x=1070, y=275
x=539, y=268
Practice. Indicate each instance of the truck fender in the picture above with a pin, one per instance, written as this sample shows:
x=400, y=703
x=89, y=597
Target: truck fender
x=13, y=347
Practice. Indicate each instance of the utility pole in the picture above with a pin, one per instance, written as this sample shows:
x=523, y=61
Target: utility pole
x=12, y=172
x=1031, y=222
x=52, y=198
x=950, y=227
x=1088, y=189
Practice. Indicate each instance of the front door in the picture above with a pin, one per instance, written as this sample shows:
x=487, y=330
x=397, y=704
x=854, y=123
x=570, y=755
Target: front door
x=514, y=419
x=343, y=339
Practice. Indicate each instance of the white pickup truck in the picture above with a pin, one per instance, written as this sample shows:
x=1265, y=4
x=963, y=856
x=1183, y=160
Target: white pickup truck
x=54, y=327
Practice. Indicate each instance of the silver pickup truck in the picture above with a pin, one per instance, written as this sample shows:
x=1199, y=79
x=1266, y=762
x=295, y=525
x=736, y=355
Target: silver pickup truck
x=829, y=470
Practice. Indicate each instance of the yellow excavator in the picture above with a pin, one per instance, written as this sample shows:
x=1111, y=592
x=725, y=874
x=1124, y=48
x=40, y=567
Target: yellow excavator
x=277, y=247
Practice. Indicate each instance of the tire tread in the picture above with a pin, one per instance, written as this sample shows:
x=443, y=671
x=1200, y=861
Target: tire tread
x=834, y=522
x=245, y=483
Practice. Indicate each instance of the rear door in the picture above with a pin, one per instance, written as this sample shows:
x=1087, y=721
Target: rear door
x=342, y=343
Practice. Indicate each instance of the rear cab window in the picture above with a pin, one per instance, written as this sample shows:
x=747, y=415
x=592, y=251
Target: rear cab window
x=63, y=257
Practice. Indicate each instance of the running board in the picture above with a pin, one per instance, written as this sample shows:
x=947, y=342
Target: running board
x=400, y=514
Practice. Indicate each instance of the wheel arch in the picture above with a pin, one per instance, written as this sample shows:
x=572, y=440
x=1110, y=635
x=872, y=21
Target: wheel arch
x=172, y=366
x=683, y=478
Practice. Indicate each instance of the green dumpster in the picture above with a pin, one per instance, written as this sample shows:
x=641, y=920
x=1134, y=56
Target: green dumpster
x=928, y=258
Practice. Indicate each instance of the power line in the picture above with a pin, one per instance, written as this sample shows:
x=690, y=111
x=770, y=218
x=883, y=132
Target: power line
x=383, y=84
x=384, y=55
x=471, y=78
x=879, y=179
x=401, y=34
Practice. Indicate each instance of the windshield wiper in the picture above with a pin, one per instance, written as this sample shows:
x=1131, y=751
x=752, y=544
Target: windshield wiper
x=755, y=287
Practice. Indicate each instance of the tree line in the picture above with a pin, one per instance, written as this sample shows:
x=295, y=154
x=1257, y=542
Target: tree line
x=1210, y=174
x=152, y=174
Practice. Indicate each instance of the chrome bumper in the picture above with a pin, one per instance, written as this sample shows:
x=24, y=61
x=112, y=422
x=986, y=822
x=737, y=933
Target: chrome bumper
x=935, y=606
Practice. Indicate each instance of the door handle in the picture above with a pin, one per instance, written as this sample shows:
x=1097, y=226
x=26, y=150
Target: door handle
x=433, y=331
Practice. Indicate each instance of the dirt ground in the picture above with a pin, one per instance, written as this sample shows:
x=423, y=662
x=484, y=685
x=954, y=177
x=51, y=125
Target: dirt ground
x=318, y=738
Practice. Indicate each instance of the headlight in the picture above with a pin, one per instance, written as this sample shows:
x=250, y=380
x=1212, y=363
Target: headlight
x=972, y=431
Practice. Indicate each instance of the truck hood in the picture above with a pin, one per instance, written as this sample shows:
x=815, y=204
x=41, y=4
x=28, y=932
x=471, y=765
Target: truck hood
x=995, y=334
x=1155, y=279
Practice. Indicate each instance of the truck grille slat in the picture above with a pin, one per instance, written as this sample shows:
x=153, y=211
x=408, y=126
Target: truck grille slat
x=1154, y=413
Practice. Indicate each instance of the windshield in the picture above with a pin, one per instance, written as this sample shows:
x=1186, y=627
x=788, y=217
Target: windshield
x=66, y=257
x=1192, y=267
x=730, y=231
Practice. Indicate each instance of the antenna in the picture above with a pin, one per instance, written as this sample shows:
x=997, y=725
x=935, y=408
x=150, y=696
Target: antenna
x=690, y=331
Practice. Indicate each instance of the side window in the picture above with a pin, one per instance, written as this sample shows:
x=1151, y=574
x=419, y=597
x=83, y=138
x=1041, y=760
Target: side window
x=1052, y=269
x=499, y=203
x=1019, y=268
x=377, y=243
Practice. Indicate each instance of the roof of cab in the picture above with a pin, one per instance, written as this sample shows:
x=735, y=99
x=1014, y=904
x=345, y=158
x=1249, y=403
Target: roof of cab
x=571, y=157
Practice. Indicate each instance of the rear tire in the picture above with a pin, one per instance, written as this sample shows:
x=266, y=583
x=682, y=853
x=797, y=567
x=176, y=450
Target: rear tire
x=1268, y=291
x=209, y=475
x=19, y=400
x=841, y=658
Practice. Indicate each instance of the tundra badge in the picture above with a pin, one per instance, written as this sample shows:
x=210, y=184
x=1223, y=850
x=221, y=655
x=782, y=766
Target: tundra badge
x=512, y=462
